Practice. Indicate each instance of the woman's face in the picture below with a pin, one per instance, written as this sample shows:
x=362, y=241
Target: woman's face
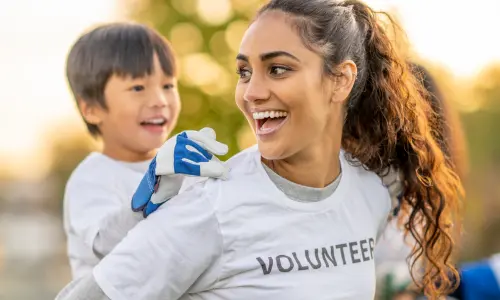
x=282, y=90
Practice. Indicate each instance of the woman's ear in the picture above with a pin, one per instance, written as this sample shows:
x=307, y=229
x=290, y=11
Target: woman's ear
x=344, y=81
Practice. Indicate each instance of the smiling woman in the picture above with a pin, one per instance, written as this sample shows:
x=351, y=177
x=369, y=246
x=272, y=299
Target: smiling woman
x=334, y=108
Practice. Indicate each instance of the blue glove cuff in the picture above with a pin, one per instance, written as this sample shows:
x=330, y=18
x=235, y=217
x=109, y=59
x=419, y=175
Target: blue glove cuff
x=146, y=188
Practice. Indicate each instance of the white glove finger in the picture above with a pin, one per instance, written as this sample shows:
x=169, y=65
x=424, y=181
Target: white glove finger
x=158, y=198
x=215, y=158
x=213, y=169
x=208, y=143
x=209, y=132
x=165, y=158
x=168, y=187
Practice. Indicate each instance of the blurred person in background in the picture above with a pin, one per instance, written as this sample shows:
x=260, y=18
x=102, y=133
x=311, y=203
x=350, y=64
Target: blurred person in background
x=479, y=279
x=314, y=75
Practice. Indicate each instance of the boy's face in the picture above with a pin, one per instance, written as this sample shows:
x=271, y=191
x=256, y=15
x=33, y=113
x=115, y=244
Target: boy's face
x=140, y=114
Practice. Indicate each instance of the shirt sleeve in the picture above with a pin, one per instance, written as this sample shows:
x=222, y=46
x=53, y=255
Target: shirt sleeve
x=164, y=254
x=89, y=202
x=85, y=288
x=113, y=228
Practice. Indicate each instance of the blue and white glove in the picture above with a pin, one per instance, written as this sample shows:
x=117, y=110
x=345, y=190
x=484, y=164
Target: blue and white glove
x=190, y=153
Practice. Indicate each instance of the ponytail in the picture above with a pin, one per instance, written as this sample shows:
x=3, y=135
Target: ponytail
x=392, y=124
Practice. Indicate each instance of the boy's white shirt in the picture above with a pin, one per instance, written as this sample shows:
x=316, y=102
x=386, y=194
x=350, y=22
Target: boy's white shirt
x=244, y=239
x=98, y=187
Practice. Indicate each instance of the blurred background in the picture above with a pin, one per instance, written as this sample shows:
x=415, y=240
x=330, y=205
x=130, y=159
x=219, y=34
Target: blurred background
x=43, y=137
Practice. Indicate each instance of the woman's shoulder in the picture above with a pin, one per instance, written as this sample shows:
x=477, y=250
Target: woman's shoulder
x=244, y=161
x=363, y=175
x=368, y=184
x=240, y=166
x=245, y=175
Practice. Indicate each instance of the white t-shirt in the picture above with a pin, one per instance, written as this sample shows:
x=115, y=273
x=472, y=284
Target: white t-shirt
x=98, y=187
x=244, y=239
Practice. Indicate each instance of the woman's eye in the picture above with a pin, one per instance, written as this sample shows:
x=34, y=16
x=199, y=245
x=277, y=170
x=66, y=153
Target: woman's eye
x=137, y=88
x=277, y=70
x=244, y=73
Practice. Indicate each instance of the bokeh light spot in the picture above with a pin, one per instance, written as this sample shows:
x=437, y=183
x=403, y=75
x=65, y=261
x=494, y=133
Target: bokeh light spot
x=234, y=34
x=214, y=12
x=186, y=38
x=185, y=7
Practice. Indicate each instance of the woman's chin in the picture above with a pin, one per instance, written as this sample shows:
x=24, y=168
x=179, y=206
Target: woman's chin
x=271, y=151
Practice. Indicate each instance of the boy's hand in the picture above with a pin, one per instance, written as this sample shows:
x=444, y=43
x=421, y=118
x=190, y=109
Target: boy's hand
x=190, y=153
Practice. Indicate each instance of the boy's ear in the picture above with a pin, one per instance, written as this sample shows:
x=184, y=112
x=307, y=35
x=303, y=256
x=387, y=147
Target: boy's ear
x=91, y=112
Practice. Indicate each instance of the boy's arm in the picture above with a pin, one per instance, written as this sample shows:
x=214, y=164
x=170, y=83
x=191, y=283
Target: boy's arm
x=89, y=202
x=82, y=289
x=161, y=257
x=97, y=214
x=113, y=228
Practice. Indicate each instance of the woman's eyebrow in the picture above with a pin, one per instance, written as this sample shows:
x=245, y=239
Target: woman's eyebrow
x=268, y=55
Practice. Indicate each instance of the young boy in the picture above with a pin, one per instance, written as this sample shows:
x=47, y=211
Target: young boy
x=123, y=77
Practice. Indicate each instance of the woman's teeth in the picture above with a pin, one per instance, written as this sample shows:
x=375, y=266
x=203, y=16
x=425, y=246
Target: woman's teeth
x=269, y=114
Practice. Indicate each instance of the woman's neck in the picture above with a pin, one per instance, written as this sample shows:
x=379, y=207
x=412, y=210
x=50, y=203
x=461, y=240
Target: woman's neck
x=316, y=167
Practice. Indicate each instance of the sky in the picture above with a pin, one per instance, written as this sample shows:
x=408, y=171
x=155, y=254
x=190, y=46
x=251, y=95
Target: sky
x=36, y=36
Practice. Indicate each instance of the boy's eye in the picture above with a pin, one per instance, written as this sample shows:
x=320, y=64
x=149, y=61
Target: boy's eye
x=137, y=88
x=168, y=86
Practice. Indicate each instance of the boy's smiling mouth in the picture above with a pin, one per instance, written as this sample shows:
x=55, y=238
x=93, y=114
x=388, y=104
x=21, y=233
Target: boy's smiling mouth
x=156, y=124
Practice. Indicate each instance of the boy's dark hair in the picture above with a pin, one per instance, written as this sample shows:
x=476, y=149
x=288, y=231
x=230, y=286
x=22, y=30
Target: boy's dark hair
x=123, y=49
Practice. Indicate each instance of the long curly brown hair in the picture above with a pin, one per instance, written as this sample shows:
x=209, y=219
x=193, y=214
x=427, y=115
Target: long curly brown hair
x=389, y=122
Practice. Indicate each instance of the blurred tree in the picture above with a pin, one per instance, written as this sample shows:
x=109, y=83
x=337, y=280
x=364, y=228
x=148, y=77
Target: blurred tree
x=487, y=86
x=482, y=129
x=478, y=99
x=68, y=146
x=485, y=122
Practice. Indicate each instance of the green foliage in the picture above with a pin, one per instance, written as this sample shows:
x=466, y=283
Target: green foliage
x=68, y=148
